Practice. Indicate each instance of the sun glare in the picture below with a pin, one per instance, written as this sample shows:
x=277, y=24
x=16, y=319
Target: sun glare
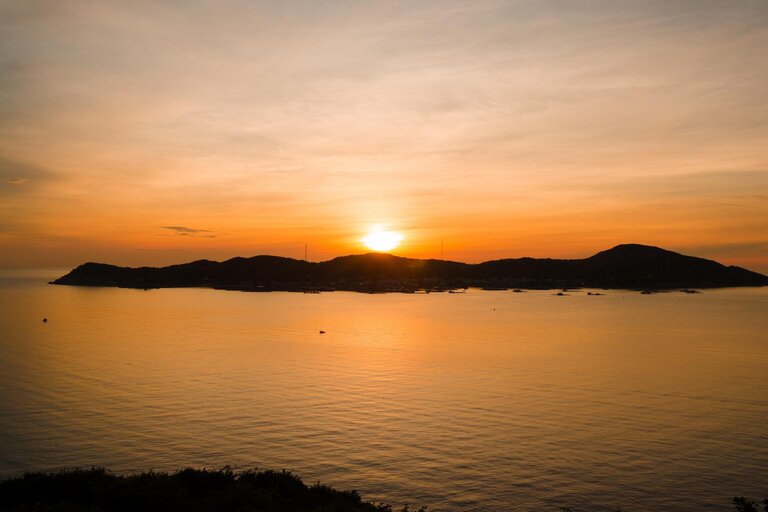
x=380, y=240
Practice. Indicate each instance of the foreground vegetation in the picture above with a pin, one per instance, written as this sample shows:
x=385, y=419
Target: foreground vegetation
x=195, y=490
x=743, y=504
x=192, y=490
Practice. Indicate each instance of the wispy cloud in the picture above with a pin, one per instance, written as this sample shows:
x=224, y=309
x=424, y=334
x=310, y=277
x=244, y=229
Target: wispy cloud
x=730, y=249
x=187, y=231
x=17, y=173
x=184, y=229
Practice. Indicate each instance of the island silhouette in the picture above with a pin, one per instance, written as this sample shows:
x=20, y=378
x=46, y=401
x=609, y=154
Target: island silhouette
x=626, y=266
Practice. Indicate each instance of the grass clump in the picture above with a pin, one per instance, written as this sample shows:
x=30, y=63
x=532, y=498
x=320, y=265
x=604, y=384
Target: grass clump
x=742, y=504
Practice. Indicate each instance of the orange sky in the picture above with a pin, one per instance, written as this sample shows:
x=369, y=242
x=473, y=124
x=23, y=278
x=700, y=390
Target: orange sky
x=149, y=133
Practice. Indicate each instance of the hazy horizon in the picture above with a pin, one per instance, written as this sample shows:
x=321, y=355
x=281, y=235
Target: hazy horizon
x=361, y=253
x=152, y=133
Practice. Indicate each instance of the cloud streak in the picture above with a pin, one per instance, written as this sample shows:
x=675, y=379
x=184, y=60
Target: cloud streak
x=186, y=230
x=191, y=232
x=21, y=175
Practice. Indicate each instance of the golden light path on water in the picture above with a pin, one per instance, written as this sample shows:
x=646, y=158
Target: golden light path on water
x=476, y=401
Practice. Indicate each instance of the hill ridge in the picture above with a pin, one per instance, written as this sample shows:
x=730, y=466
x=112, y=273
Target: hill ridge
x=622, y=266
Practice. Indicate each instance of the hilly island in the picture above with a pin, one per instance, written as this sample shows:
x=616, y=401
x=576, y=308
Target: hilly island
x=627, y=266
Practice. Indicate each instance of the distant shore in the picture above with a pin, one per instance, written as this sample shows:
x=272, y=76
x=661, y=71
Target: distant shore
x=629, y=266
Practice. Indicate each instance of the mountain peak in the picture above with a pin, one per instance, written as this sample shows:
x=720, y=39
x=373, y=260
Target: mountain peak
x=623, y=250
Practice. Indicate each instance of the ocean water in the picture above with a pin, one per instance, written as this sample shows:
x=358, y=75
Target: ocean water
x=488, y=400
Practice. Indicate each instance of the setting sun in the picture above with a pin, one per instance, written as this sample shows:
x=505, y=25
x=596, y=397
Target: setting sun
x=380, y=240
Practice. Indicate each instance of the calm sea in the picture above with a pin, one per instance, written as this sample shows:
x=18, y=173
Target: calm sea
x=488, y=400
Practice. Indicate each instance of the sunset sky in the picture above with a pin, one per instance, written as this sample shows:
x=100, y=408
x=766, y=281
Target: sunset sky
x=150, y=133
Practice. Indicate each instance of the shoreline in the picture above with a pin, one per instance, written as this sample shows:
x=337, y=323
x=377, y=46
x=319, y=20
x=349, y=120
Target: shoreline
x=423, y=290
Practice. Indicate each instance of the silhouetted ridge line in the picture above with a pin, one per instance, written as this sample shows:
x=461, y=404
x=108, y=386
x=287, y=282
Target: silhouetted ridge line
x=623, y=266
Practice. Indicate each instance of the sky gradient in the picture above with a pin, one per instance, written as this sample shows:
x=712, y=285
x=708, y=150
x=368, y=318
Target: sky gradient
x=150, y=133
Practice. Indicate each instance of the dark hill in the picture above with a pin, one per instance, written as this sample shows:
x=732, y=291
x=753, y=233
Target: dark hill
x=387, y=266
x=645, y=264
x=624, y=266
